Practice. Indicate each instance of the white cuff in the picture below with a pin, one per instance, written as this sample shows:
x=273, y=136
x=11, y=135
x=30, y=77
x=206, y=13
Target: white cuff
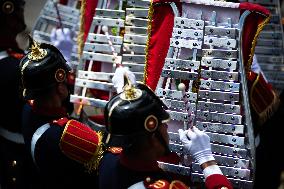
x=212, y=169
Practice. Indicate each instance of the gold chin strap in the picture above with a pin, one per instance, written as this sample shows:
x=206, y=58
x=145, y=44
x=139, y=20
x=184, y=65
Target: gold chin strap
x=36, y=53
x=130, y=92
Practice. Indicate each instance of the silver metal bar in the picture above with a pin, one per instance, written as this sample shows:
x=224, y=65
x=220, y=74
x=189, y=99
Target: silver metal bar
x=96, y=47
x=182, y=22
x=94, y=84
x=138, y=3
x=229, y=151
x=180, y=116
x=54, y=21
x=274, y=27
x=272, y=67
x=134, y=67
x=232, y=162
x=103, y=38
x=138, y=39
x=178, y=169
x=214, y=137
x=88, y=101
x=270, y=35
x=133, y=21
x=134, y=48
x=180, y=105
x=220, y=127
x=184, y=43
x=99, y=21
x=62, y=8
x=269, y=59
x=167, y=93
x=221, y=31
x=228, y=171
x=227, y=139
x=268, y=50
x=219, y=117
x=136, y=30
x=217, y=149
x=101, y=57
x=142, y=13
x=133, y=58
x=110, y=13
x=216, y=95
x=100, y=76
x=185, y=33
x=219, y=63
x=269, y=43
x=219, y=85
x=218, y=75
x=216, y=53
x=181, y=64
x=179, y=74
x=220, y=42
x=218, y=107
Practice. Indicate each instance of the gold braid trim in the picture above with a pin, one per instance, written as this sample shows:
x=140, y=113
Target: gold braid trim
x=253, y=87
x=259, y=29
x=149, y=30
x=80, y=38
x=269, y=110
x=94, y=162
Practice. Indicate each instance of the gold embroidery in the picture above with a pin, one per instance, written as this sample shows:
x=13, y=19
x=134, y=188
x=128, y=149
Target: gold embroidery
x=36, y=52
x=159, y=184
x=149, y=30
x=259, y=29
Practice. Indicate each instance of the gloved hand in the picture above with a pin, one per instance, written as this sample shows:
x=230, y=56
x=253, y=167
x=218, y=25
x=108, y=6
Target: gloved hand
x=118, y=78
x=63, y=41
x=197, y=143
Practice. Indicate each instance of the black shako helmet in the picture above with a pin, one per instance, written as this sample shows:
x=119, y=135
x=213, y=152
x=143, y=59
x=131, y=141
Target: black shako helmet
x=137, y=110
x=41, y=69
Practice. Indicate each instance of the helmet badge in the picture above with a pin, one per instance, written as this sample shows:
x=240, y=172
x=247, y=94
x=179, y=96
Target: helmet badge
x=130, y=92
x=36, y=53
x=60, y=75
x=151, y=123
x=8, y=7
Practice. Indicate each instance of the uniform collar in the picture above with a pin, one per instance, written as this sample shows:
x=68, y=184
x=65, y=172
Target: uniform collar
x=138, y=165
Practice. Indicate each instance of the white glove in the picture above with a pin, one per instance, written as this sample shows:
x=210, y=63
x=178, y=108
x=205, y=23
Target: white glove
x=118, y=78
x=63, y=41
x=197, y=143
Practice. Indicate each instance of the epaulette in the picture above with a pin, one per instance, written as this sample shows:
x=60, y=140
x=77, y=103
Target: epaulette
x=163, y=184
x=81, y=143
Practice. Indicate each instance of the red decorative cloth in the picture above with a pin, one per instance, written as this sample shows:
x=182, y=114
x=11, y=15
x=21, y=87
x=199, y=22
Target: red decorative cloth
x=159, y=41
x=90, y=10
